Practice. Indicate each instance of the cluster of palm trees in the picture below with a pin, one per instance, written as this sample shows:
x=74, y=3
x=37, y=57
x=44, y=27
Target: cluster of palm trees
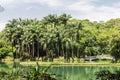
x=47, y=38
x=56, y=36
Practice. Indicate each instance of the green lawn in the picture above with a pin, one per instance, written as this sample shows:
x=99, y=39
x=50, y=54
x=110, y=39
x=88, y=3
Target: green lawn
x=99, y=63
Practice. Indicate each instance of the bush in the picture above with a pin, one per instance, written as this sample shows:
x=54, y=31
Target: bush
x=3, y=52
x=6, y=51
x=107, y=75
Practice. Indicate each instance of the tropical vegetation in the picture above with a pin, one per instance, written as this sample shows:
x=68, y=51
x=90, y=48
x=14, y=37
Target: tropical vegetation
x=20, y=72
x=57, y=36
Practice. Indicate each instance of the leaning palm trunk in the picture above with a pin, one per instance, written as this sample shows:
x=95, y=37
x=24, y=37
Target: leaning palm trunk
x=72, y=55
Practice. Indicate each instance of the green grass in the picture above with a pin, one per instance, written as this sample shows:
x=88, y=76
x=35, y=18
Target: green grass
x=98, y=63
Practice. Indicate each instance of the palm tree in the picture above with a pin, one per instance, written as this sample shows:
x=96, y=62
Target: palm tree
x=50, y=20
x=64, y=18
x=10, y=32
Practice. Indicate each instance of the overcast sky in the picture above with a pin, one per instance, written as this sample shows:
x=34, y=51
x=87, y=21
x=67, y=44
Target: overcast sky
x=94, y=10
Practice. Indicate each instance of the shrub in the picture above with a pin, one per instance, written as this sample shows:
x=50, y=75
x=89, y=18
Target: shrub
x=6, y=51
x=3, y=52
x=107, y=75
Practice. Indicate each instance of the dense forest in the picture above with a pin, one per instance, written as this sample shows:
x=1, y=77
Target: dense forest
x=57, y=36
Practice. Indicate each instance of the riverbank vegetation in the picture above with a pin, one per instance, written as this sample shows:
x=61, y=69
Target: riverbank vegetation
x=107, y=75
x=20, y=72
x=60, y=37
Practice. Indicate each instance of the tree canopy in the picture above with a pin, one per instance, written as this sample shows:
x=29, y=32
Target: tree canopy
x=60, y=35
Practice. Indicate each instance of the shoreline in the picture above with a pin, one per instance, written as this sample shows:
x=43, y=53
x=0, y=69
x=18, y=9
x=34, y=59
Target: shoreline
x=33, y=63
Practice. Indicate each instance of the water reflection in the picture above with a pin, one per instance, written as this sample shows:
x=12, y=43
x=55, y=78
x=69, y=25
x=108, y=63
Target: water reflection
x=79, y=72
x=70, y=72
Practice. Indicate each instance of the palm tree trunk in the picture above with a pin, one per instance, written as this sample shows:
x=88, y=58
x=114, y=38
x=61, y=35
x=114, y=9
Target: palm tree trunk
x=78, y=55
x=38, y=51
x=29, y=51
x=13, y=53
x=33, y=51
x=72, y=55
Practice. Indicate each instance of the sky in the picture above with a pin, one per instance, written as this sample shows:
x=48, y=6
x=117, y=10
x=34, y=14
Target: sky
x=94, y=10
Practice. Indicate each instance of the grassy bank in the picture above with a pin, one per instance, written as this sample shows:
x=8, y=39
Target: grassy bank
x=73, y=64
x=99, y=63
x=60, y=61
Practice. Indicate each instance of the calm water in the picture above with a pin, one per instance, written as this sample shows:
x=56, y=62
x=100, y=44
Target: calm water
x=71, y=72
x=79, y=72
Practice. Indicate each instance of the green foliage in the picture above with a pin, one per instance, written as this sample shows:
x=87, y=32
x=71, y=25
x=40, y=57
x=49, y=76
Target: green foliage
x=39, y=74
x=115, y=48
x=3, y=52
x=27, y=73
x=107, y=75
x=6, y=51
x=61, y=35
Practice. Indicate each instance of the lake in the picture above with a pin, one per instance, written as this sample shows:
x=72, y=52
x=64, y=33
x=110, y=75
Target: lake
x=79, y=72
x=70, y=72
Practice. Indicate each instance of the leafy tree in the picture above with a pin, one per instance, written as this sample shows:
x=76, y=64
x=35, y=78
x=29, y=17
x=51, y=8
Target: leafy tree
x=115, y=48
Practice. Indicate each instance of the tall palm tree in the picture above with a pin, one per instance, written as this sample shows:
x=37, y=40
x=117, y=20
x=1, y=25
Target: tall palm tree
x=64, y=18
